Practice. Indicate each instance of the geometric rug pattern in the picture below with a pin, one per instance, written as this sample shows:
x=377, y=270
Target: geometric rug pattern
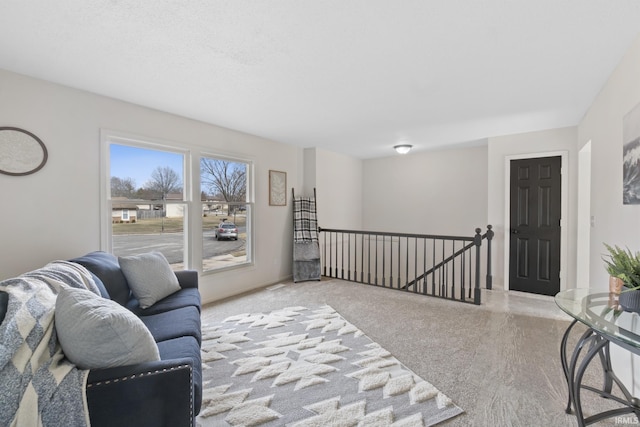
x=309, y=367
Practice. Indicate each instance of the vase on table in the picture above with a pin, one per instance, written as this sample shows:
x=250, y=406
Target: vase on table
x=615, y=285
x=629, y=300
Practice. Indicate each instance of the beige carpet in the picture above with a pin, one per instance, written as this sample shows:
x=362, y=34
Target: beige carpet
x=503, y=369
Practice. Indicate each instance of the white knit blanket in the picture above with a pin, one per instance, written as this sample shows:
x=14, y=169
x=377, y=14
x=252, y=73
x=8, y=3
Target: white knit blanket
x=38, y=386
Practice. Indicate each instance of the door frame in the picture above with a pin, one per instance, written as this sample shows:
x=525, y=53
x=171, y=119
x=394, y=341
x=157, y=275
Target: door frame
x=564, y=210
x=583, y=217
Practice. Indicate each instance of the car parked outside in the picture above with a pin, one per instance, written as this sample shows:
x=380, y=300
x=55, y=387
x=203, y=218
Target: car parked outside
x=226, y=230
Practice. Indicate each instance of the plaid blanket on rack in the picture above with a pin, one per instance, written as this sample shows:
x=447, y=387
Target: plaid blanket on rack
x=39, y=387
x=305, y=223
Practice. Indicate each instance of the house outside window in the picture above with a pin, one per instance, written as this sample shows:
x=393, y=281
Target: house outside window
x=151, y=202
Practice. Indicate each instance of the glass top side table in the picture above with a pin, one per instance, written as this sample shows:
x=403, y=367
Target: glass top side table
x=606, y=323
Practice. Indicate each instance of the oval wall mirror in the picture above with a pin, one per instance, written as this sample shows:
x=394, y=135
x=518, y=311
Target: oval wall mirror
x=21, y=152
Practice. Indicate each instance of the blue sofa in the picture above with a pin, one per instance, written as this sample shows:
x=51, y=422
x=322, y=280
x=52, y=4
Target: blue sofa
x=163, y=393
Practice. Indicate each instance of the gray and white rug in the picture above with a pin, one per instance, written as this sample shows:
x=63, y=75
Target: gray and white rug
x=303, y=367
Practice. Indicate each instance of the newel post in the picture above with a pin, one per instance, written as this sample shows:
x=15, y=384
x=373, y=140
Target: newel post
x=489, y=235
x=477, y=241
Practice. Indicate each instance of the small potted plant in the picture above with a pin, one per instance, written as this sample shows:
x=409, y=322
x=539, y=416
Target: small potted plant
x=624, y=265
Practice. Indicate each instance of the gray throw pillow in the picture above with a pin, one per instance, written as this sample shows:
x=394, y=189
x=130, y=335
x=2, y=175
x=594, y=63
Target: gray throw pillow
x=95, y=332
x=149, y=276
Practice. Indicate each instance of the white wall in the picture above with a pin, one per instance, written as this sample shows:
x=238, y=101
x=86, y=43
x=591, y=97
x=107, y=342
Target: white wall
x=54, y=213
x=583, y=217
x=337, y=179
x=530, y=144
x=615, y=223
x=434, y=192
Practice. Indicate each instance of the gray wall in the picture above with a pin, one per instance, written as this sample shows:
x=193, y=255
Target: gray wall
x=434, y=192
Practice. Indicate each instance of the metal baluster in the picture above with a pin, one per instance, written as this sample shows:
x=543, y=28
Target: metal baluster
x=349, y=256
x=433, y=272
x=369, y=261
x=470, y=272
x=342, y=255
x=330, y=254
x=384, y=264
x=424, y=265
x=376, y=260
x=406, y=276
x=391, y=262
x=453, y=270
x=443, y=276
x=462, y=275
x=415, y=264
x=362, y=259
x=399, y=259
x=324, y=250
x=489, y=282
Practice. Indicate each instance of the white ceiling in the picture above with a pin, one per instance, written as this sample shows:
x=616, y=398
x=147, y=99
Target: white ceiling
x=350, y=76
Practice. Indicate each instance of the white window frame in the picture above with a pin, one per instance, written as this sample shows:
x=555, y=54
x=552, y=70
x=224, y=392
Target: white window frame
x=191, y=194
x=250, y=198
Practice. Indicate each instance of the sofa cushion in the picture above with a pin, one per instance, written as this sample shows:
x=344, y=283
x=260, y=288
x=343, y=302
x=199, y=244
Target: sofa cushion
x=189, y=297
x=103, y=290
x=106, y=267
x=95, y=332
x=176, y=323
x=186, y=347
x=4, y=303
x=149, y=276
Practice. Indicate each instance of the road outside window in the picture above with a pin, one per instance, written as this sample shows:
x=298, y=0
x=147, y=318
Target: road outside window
x=149, y=206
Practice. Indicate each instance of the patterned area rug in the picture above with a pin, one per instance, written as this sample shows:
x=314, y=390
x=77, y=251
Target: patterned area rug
x=303, y=367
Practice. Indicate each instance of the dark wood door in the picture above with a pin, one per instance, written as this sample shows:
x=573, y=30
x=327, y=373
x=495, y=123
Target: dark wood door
x=534, y=251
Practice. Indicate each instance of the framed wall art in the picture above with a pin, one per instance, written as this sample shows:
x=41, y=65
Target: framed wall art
x=631, y=157
x=277, y=188
x=21, y=152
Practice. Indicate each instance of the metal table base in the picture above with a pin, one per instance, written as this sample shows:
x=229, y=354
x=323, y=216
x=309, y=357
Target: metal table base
x=596, y=344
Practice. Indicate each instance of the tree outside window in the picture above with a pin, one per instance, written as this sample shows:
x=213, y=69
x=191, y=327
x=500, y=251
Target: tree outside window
x=147, y=206
x=159, y=202
x=224, y=200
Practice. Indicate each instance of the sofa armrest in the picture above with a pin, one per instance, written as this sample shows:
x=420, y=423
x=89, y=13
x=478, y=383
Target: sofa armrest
x=187, y=278
x=148, y=394
x=4, y=304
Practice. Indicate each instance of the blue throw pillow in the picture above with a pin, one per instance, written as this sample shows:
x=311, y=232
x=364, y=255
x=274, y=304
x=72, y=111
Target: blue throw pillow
x=105, y=266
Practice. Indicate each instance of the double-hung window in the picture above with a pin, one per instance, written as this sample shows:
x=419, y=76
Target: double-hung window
x=226, y=211
x=193, y=207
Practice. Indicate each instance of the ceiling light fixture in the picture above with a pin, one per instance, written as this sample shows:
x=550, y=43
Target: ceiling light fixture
x=403, y=148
